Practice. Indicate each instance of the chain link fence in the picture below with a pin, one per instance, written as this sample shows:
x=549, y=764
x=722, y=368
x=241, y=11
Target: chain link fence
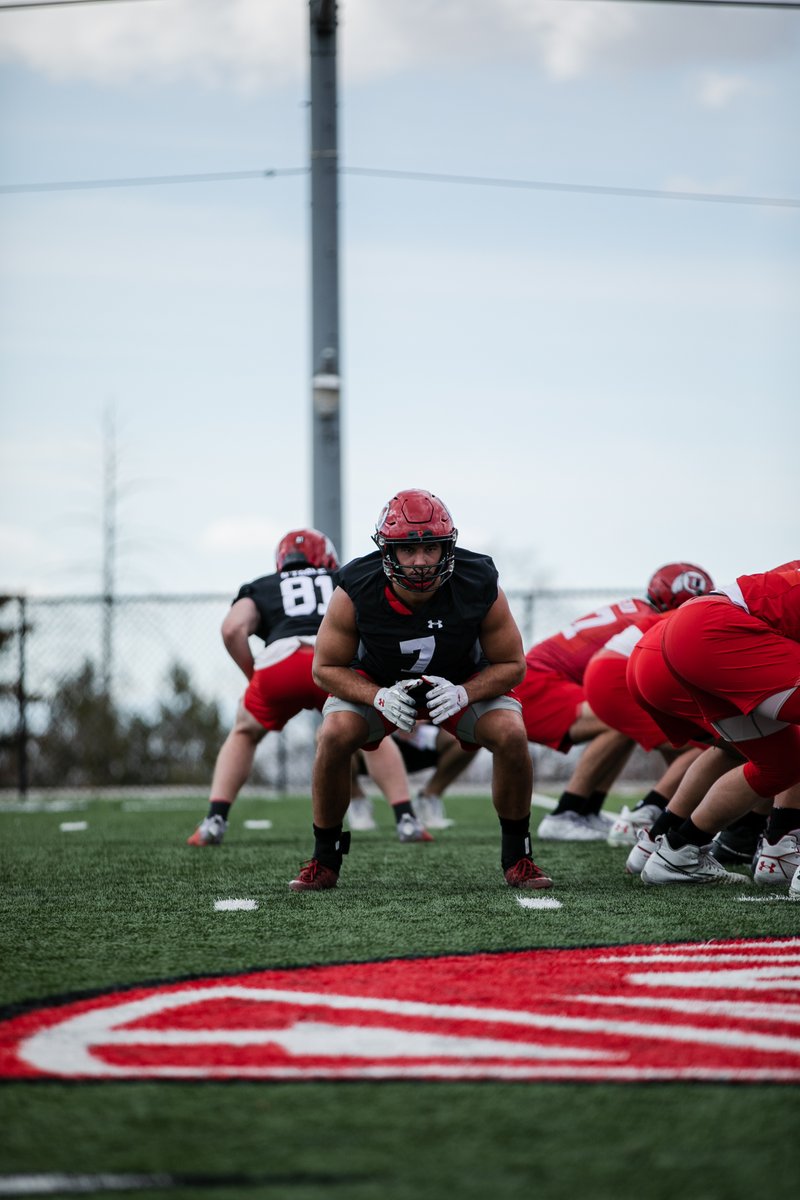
x=138, y=690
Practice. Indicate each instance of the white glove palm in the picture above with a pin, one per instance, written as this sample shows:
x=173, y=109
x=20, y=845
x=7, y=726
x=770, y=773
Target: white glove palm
x=396, y=705
x=444, y=699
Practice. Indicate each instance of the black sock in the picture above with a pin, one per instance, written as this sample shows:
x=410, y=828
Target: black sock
x=515, y=841
x=688, y=835
x=330, y=845
x=653, y=797
x=754, y=821
x=402, y=809
x=592, y=806
x=665, y=823
x=569, y=802
x=219, y=808
x=782, y=821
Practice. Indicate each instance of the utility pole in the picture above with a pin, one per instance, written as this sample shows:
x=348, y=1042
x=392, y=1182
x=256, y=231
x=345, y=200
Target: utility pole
x=325, y=358
x=110, y=496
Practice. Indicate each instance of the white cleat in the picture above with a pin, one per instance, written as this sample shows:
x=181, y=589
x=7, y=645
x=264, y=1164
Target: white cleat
x=778, y=863
x=359, y=815
x=630, y=821
x=794, y=886
x=570, y=827
x=689, y=864
x=429, y=810
x=645, y=846
x=600, y=821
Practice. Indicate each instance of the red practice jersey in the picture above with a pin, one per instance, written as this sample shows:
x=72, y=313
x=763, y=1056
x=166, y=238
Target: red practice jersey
x=569, y=651
x=773, y=597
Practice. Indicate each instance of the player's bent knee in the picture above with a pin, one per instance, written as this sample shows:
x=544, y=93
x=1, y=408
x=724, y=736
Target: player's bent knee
x=342, y=731
x=502, y=732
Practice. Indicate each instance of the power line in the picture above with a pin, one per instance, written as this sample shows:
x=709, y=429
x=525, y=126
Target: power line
x=411, y=176
x=78, y=185
x=59, y=3
x=587, y=188
x=723, y=3
x=788, y=4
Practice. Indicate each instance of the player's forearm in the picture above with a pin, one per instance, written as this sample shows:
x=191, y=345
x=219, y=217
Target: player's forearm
x=238, y=646
x=495, y=680
x=345, y=683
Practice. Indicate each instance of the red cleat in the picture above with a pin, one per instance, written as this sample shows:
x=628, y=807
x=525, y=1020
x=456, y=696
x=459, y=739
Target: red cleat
x=314, y=878
x=526, y=874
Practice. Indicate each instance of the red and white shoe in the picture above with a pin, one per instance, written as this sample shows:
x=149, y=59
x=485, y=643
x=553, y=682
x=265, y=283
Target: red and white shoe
x=777, y=863
x=209, y=832
x=314, y=877
x=526, y=874
x=625, y=830
x=409, y=829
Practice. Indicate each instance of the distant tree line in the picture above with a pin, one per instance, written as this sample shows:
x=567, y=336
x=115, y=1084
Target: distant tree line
x=87, y=740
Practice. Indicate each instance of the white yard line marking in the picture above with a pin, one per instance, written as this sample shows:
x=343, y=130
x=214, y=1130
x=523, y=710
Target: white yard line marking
x=258, y=824
x=235, y=905
x=73, y=826
x=539, y=800
x=538, y=902
x=763, y=899
x=49, y=1185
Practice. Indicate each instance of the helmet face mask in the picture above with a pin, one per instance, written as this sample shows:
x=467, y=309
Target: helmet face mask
x=411, y=518
x=675, y=583
x=306, y=547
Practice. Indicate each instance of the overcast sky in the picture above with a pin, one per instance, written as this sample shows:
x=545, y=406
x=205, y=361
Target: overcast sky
x=594, y=383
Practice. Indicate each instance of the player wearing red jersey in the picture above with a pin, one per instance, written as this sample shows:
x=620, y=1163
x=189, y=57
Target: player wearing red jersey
x=610, y=699
x=556, y=711
x=676, y=713
x=735, y=653
x=419, y=624
x=284, y=610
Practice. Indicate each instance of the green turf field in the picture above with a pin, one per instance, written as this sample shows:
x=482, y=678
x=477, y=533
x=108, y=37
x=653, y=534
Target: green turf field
x=125, y=902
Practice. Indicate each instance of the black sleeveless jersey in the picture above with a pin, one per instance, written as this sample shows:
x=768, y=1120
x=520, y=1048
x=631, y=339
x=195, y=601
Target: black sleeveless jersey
x=438, y=638
x=291, y=603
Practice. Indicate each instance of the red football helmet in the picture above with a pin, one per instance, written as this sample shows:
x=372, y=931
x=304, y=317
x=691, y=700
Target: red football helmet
x=410, y=517
x=308, y=547
x=676, y=582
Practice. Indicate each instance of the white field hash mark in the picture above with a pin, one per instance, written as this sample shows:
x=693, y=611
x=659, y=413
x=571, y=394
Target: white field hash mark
x=73, y=826
x=538, y=902
x=234, y=905
x=49, y=1185
x=258, y=824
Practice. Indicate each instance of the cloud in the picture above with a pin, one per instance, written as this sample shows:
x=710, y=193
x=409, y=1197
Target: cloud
x=717, y=90
x=248, y=43
x=262, y=44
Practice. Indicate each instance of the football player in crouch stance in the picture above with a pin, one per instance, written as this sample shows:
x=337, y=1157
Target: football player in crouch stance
x=610, y=699
x=557, y=714
x=735, y=655
x=419, y=623
x=285, y=610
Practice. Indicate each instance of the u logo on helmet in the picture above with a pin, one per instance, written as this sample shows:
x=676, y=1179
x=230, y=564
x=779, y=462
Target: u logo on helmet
x=689, y=581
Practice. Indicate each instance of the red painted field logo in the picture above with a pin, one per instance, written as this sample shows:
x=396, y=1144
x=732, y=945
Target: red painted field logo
x=705, y=1011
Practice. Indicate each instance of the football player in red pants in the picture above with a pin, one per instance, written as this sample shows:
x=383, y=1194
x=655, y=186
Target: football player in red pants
x=285, y=610
x=736, y=655
x=557, y=713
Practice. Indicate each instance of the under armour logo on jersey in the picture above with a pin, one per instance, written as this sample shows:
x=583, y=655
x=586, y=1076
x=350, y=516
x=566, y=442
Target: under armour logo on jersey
x=435, y=625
